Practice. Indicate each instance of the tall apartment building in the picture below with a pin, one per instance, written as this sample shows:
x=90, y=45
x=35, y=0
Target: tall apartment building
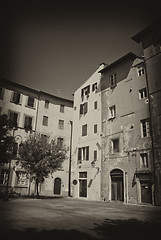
x=127, y=161
x=150, y=38
x=112, y=153
x=36, y=111
x=86, y=157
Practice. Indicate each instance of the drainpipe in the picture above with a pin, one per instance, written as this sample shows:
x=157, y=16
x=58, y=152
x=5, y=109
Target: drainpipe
x=70, y=159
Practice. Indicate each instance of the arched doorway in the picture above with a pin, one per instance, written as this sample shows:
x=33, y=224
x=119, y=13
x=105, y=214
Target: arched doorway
x=117, y=185
x=57, y=186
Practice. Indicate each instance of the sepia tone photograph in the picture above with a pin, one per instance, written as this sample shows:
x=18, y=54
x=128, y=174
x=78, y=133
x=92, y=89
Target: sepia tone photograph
x=80, y=120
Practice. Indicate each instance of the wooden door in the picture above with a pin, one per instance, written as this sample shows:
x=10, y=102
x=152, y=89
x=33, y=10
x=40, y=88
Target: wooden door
x=83, y=188
x=146, y=192
x=57, y=186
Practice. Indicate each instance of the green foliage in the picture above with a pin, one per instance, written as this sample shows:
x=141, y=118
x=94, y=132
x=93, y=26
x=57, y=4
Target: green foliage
x=41, y=157
x=6, y=140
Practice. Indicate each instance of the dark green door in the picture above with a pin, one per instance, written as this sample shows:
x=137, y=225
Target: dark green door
x=83, y=188
x=57, y=186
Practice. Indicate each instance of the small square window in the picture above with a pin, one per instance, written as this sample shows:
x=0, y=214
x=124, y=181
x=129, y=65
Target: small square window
x=46, y=104
x=144, y=160
x=113, y=80
x=95, y=128
x=112, y=112
x=16, y=97
x=142, y=93
x=115, y=145
x=62, y=108
x=60, y=141
x=28, y=123
x=145, y=131
x=95, y=105
x=141, y=71
x=13, y=119
x=94, y=87
x=45, y=121
x=61, y=124
x=95, y=154
x=84, y=130
x=30, y=102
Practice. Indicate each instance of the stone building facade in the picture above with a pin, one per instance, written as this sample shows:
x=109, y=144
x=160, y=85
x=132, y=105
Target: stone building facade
x=150, y=38
x=36, y=111
x=86, y=157
x=127, y=164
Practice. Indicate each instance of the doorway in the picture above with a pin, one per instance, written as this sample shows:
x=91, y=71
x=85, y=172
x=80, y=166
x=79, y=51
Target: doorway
x=57, y=186
x=117, y=185
x=146, y=192
x=82, y=184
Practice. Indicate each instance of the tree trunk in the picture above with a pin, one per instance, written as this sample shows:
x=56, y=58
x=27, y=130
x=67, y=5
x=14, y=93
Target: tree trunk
x=37, y=187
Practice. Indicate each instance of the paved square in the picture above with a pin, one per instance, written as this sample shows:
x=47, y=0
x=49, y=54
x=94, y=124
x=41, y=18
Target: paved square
x=77, y=219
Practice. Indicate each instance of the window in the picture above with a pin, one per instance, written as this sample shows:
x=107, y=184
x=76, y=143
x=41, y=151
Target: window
x=82, y=174
x=1, y=92
x=113, y=80
x=60, y=141
x=84, y=130
x=4, y=176
x=30, y=102
x=112, y=112
x=13, y=119
x=142, y=93
x=46, y=104
x=61, y=124
x=22, y=179
x=85, y=91
x=44, y=137
x=140, y=71
x=95, y=105
x=16, y=97
x=15, y=149
x=145, y=131
x=144, y=160
x=62, y=108
x=95, y=155
x=94, y=87
x=115, y=145
x=95, y=128
x=45, y=121
x=28, y=123
x=84, y=108
x=83, y=153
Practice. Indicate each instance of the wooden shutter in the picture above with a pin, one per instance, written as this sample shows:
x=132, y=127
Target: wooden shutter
x=87, y=153
x=85, y=107
x=79, y=154
x=81, y=109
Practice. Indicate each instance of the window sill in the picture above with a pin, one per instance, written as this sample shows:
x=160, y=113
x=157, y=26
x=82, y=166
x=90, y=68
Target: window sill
x=16, y=103
x=30, y=107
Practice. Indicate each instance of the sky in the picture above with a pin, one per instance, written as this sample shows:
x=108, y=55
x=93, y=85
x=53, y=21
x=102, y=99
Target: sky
x=56, y=46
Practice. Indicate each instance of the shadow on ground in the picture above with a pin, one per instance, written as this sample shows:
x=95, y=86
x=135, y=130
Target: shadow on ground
x=127, y=229
x=108, y=230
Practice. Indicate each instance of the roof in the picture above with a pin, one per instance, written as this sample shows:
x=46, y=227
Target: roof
x=152, y=27
x=56, y=97
x=10, y=85
x=129, y=55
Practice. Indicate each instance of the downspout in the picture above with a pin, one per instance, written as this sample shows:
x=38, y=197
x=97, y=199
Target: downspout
x=70, y=160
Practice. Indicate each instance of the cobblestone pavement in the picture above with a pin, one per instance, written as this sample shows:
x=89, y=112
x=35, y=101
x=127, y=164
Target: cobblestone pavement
x=62, y=218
